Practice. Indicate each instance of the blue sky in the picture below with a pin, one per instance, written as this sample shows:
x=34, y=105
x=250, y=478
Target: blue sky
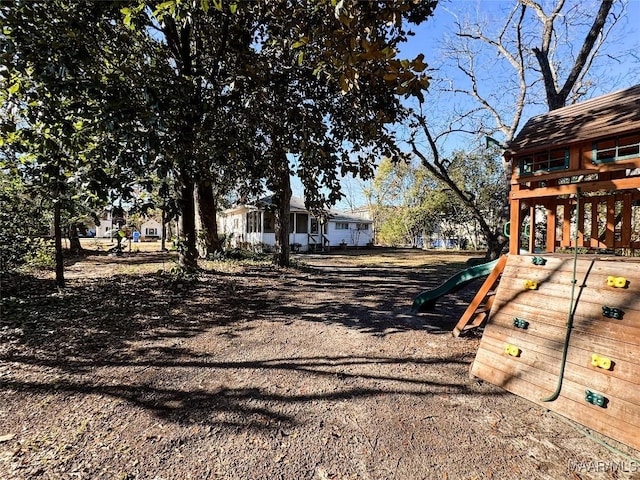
x=430, y=35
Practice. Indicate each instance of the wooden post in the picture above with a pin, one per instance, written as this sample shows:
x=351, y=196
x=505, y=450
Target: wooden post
x=625, y=238
x=611, y=222
x=595, y=213
x=580, y=224
x=566, y=224
x=515, y=227
x=551, y=226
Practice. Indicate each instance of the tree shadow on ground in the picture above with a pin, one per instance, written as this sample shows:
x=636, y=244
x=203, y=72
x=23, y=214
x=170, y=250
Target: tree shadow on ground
x=133, y=326
x=257, y=407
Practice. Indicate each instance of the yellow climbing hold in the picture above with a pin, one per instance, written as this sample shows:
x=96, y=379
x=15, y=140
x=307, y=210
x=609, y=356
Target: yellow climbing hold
x=530, y=285
x=512, y=350
x=600, y=362
x=617, y=282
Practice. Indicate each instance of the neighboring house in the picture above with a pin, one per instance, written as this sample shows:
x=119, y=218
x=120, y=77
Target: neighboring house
x=253, y=225
x=151, y=230
x=107, y=225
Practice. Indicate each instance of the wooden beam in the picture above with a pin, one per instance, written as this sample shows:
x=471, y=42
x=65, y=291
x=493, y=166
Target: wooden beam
x=481, y=296
x=628, y=183
x=588, y=169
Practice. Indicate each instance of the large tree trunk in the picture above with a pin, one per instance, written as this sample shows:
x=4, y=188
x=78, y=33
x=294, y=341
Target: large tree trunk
x=188, y=253
x=495, y=245
x=208, y=218
x=557, y=98
x=57, y=234
x=282, y=203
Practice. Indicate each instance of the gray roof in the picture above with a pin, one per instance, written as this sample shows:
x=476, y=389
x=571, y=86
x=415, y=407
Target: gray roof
x=611, y=114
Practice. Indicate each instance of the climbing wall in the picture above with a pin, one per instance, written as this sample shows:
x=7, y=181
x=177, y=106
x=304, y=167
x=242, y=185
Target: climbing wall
x=522, y=346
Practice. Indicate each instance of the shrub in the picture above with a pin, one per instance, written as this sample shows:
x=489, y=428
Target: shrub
x=41, y=254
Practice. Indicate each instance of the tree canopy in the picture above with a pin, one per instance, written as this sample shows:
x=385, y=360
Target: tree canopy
x=101, y=98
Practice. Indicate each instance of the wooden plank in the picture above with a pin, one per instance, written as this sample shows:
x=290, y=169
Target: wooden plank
x=536, y=365
x=595, y=242
x=566, y=225
x=586, y=314
x=580, y=350
x=580, y=215
x=598, y=272
x=626, y=220
x=588, y=169
x=484, y=290
x=551, y=228
x=618, y=412
x=611, y=222
x=628, y=183
x=577, y=409
x=513, y=288
x=554, y=335
x=515, y=230
x=625, y=367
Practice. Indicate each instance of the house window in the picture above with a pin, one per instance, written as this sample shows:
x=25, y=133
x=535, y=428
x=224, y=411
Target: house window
x=616, y=149
x=342, y=226
x=269, y=224
x=151, y=232
x=302, y=223
x=254, y=223
x=547, y=161
x=363, y=226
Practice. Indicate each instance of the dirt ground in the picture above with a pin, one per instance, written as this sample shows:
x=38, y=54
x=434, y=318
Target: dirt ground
x=319, y=372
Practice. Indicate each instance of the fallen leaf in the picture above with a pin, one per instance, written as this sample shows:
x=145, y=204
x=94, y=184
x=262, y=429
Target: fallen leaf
x=7, y=437
x=322, y=473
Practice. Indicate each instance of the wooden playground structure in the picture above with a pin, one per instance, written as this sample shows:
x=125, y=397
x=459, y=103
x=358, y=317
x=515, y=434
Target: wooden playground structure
x=564, y=324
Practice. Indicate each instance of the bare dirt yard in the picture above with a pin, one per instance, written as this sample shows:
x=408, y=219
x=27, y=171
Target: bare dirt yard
x=319, y=371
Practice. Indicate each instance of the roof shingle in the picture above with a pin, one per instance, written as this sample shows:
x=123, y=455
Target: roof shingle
x=603, y=116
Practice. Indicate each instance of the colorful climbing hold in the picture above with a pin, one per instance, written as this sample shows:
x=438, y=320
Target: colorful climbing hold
x=520, y=323
x=612, y=312
x=617, y=282
x=595, y=398
x=538, y=260
x=512, y=350
x=601, y=362
x=530, y=285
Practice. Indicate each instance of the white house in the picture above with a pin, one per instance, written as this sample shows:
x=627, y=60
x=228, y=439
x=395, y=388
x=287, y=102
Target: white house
x=151, y=230
x=253, y=225
x=108, y=224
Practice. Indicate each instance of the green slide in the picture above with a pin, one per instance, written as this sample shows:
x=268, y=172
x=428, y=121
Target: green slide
x=427, y=299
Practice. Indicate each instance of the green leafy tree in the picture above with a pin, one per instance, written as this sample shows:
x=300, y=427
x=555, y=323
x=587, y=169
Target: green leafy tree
x=63, y=108
x=21, y=221
x=316, y=65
